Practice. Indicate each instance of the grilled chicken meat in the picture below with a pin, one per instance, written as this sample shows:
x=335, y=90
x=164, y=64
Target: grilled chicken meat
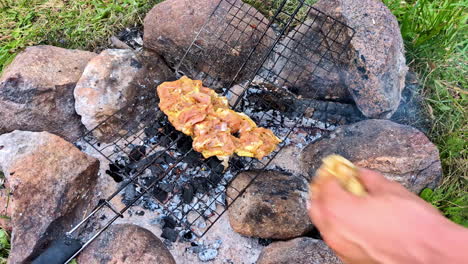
x=216, y=130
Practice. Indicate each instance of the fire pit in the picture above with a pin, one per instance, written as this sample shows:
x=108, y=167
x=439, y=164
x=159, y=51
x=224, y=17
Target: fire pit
x=155, y=165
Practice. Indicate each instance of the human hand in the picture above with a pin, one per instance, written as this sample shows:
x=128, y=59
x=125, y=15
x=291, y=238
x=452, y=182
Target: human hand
x=388, y=225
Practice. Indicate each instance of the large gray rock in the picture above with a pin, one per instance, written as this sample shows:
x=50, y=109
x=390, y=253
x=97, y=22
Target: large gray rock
x=317, y=62
x=36, y=91
x=303, y=250
x=274, y=206
x=111, y=81
x=171, y=26
x=401, y=153
x=49, y=182
x=125, y=243
x=303, y=63
x=375, y=74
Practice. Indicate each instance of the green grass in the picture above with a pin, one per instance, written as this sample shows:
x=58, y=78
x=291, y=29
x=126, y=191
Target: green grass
x=435, y=35
x=269, y=8
x=84, y=24
x=4, y=246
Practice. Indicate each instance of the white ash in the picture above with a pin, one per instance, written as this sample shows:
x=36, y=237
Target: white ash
x=208, y=254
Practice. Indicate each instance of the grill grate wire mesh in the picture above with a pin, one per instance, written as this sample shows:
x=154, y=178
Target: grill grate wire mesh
x=275, y=58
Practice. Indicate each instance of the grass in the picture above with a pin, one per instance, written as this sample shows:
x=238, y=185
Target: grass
x=434, y=31
x=435, y=35
x=269, y=7
x=4, y=246
x=83, y=24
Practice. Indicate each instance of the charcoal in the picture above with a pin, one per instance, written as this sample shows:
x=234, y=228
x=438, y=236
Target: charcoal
x=200, y=184
x=187, y=193
x=131, y=37
x=165, y=141
x=173, y=134
x=168, y=187
x=129, y=194
x=294, y=90
x=168, y=130
x=137, y=153
x=139, y=164
x=156, y=170
x=167, y=243
x=151, y=132
x=160, y=194
x=236, y=163
x=117, y=177
x=215, y=179
x=215, y=165
x=155, y=157
x=318, y=115
x=114, y=167
x=150, y=204
x=148, y=181
x=145, y=162
x=196, y=249
x=184, y=145
x=170, y=234
x=193, y=158
x=188, y=235
x=167, y=159
x=264, y=241
x=140, y=213
x=78, y=146
x=331, y=108
x=115, y=172
x=169, y=222
x=136, y=64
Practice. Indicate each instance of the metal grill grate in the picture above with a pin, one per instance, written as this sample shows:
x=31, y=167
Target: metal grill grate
x=149, y=155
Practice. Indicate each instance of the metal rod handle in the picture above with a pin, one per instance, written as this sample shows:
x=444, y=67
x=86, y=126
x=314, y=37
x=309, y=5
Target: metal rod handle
x=59, y=251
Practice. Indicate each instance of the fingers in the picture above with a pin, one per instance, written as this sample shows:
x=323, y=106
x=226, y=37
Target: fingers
x=373, y=181
x=330, y=210
x=331, y=193
x=315, y=213
x=333, y=210
x=377, y=184
x=329, y=201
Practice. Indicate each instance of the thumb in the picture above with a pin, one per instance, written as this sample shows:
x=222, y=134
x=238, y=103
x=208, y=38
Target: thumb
x=377, y=184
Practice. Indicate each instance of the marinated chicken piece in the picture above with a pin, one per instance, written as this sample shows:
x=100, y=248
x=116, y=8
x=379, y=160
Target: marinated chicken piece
x=215, y=144
x=258, y=143
x=204, y=115
x=237, y=122
x=187, y=102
